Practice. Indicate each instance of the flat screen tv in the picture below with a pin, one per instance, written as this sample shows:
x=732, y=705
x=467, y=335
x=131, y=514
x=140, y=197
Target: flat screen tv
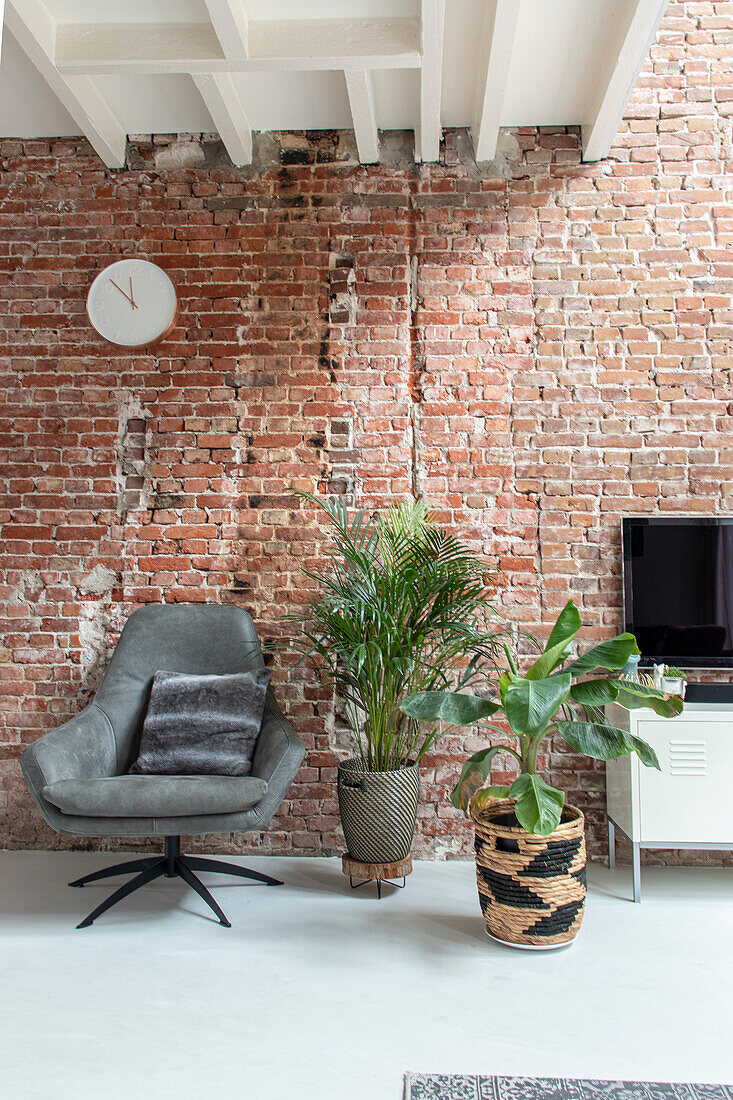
x=678, y=590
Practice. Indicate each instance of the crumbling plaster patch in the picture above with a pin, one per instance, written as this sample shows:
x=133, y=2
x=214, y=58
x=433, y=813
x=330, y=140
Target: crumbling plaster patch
x=94, y=621
x=101, y=579
x=28, y=589
x=133, y=481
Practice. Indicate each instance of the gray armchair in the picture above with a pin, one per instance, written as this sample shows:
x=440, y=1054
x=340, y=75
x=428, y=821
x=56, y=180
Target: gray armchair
x=101, y=743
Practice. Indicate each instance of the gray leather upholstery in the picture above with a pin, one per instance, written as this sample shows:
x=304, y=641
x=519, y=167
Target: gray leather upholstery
x=155, y=795
x=102, y=741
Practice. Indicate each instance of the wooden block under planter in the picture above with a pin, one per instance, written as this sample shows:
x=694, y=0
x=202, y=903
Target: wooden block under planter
x=380, y=872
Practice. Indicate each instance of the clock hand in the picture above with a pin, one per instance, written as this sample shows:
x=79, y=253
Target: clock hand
x=114, y=284
x=132, y=299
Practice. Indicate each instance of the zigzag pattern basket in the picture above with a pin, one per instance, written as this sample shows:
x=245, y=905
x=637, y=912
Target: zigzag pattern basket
x=531, y=888
x=378, y=811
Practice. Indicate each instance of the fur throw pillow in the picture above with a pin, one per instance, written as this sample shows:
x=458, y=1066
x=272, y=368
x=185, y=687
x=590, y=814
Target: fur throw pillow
x=202, y=725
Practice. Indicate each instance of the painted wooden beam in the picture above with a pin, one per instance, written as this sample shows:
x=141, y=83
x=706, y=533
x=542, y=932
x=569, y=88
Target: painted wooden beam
x=225, y=106
x=338, y=43
x=229, y=20
x=129, y=48
x=641, y=25
x=295, y=45
x=500, y=28
x=361, y=102
x=429, y=131
x=34, y=31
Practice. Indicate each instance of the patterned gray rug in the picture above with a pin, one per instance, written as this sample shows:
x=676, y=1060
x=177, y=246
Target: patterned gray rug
x=456, y=1086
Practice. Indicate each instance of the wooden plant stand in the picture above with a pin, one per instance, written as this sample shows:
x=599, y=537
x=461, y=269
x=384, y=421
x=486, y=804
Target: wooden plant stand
x=376, y=872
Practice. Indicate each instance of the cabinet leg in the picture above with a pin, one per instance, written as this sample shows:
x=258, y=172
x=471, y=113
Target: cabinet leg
x=611, y=844
x=636, y=855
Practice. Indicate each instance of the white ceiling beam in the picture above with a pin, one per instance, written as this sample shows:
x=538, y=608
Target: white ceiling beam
x=34, y=31
x=642, y=24
x=361, y=102
x=98, y=48
x=429, y=131
x=229, y=20
x=225, y=106
x=2, y=12
x=368, y=43
x=500, y=28
x=296, y=45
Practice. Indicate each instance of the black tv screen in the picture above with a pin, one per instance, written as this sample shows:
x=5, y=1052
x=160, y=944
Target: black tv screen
x=678, y=590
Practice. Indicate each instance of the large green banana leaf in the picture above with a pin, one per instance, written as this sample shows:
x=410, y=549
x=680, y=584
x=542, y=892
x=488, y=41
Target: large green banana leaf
x=612, y=654
x=530, y=705
x=539, y=806
x=604, y=742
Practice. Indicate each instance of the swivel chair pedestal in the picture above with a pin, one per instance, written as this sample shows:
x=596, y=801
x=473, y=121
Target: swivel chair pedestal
x=173, y=865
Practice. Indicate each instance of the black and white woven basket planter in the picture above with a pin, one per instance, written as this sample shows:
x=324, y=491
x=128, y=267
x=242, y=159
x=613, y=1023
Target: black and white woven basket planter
x=378, y=811
x=531, y=888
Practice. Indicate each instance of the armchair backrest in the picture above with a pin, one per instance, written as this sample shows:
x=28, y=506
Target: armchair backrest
x=198, y=638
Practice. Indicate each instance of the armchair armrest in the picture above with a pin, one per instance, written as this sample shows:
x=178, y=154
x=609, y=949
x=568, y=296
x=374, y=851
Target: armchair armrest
x=83, y=748
x=278, y=756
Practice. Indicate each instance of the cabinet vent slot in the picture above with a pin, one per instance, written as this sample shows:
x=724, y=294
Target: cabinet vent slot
x=688, y=758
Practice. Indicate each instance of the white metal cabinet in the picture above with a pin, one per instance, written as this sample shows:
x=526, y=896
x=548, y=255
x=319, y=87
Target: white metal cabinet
x=686, y=805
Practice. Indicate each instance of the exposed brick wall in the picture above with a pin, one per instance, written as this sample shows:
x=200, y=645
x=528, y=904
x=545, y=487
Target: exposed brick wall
x=534, y=348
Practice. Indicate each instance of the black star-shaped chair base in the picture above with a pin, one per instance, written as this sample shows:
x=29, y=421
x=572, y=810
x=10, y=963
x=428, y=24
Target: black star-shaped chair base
x=170, y=865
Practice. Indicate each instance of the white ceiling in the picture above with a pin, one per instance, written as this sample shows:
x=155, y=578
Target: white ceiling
x=476, y=63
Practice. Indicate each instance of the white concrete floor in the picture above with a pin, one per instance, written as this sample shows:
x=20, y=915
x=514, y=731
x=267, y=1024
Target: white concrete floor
x=318, y=993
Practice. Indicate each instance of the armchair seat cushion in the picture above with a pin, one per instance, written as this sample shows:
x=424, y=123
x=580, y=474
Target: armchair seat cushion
x=155, y=795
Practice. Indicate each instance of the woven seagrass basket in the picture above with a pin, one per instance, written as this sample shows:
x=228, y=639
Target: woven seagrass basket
x=531, y=888
x=378, y=811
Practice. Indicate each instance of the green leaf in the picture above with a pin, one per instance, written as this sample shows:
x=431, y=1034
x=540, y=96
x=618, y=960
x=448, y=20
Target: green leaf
x=539, y=806
x=595, y=693
x=567, y=626
x=485, y=795
x=644, y=751
x=606, y=742
x=531, y=705
x=593, y=739
x=633, y=695
x=558, y=644
x=474, y=774
x=450, y=706
x=612, y=654
x=513, y=671
x=548, y=661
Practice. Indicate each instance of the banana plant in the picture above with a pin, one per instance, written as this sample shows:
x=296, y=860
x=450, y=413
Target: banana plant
x=552, y=697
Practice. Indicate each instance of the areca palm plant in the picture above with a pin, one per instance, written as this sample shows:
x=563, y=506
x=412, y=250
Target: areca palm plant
x=551, y=697
x=400, y=607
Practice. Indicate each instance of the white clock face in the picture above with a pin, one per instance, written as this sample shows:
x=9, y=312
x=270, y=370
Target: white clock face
x=132, y=303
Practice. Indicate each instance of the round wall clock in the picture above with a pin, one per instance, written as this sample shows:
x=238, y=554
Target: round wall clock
x=132, y=304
